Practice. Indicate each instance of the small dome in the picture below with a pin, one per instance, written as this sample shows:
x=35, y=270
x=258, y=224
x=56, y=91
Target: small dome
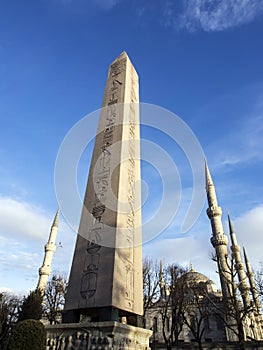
x=193, y=277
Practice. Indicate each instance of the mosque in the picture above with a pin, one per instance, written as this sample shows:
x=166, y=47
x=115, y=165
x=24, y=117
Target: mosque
x=231, y=314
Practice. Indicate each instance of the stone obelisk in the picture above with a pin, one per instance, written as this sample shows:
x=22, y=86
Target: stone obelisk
x=105, y=282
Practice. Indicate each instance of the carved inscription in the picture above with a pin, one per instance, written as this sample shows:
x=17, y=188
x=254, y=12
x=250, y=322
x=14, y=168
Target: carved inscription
x=101, y=183
x=130, y=221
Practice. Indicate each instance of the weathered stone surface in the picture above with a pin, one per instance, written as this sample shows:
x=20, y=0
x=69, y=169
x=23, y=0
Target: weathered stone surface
x=106, y=275
x=97, y=336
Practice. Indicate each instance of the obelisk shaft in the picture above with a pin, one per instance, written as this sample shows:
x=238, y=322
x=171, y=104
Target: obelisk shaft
x=106, y=275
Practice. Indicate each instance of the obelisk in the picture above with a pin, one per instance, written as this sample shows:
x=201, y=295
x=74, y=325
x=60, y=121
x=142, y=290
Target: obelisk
x=105, y=282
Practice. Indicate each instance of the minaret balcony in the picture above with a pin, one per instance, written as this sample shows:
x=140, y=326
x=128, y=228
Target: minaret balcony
x=219, y=239
x=214, y=211
x=239, y=265
x=45, y=270
x=235, y=248
x=250, y=274
x=244, y=288
x=50, y=247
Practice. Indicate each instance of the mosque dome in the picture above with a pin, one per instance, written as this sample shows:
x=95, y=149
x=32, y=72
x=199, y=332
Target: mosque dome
x=192, y=278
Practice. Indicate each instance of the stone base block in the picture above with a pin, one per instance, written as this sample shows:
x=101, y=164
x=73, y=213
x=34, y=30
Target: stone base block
x=108, y=335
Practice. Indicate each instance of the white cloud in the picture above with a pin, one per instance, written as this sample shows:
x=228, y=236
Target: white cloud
x=212, y=15
x=238, y=139
x=185, y=250
x=24, y=229
x=21, y=219
x=190, y=15
x=6, y=290
x=18, y=260
x=243, y=145
x=249, y=231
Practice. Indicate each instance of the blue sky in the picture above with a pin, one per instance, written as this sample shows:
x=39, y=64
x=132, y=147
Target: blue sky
x=202, y=60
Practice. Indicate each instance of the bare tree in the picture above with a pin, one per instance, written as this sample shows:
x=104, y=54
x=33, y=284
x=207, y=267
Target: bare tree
x=259, y=280
x=172, y=304
x=151, y=280
x=198, y=310
x=54, y=298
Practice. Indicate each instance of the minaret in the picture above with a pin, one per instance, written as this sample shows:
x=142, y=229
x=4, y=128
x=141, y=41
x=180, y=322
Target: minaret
x=162, y=283
x=239, y=266
x=219, y=239
x=254, y=292
x=50, y=247
x=253, y=287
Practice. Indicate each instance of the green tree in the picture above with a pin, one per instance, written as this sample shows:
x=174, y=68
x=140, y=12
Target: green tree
x=28, y=334
x=31, y=307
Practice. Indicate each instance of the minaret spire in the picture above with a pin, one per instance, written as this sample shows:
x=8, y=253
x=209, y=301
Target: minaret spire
x=219, y=239
x=50, y=247
x=56, y=218
x=210, y=188
x=239, y=266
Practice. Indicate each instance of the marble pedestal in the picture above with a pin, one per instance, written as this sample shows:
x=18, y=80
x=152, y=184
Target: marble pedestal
x=97, y=336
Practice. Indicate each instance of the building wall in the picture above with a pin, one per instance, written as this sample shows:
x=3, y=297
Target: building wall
x=214, y=327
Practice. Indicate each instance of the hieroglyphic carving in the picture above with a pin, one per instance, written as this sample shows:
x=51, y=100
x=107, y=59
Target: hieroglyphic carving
x=130, y=222
x=129, y=283
x=117, y=67
x=101, y=183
